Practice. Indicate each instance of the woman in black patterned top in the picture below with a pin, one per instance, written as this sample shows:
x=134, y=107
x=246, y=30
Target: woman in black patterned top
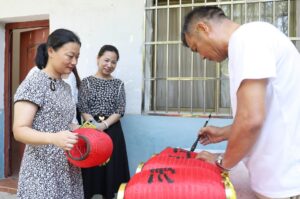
x=43, y=112
x=102, y=101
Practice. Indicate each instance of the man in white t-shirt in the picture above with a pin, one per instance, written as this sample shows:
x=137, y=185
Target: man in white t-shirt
x=264, y=70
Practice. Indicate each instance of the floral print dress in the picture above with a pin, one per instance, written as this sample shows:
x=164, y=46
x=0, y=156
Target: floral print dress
x=45, y=171
x=104, y=97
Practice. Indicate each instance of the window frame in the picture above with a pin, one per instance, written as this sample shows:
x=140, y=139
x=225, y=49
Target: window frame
x=148, y=90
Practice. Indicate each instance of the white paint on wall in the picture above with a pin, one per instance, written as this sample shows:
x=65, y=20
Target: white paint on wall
x=115, y=22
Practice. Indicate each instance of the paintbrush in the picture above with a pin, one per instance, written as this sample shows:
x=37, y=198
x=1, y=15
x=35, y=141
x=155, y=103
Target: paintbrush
x=199, y=136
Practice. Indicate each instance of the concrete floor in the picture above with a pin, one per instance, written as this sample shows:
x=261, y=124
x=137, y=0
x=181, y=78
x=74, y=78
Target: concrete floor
x=4, y=195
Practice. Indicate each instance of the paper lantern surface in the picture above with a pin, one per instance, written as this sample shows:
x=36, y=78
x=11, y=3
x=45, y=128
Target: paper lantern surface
x=93, y=148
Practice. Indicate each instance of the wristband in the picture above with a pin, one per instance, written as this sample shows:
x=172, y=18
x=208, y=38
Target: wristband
x=219, y=163
x=105, y=123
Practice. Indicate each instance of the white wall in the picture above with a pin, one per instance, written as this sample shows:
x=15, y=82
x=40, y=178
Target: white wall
x=116, y=22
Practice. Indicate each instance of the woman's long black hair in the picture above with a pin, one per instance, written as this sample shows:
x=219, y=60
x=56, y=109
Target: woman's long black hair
x=55, y=41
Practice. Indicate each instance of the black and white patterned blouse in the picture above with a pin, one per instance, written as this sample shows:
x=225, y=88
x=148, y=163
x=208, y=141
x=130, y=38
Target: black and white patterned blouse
x=45, y=171
x=101, y=96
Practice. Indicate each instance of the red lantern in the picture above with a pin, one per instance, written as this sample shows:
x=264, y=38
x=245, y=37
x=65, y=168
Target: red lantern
x=175, y=173
x=178, y=152
x=92, y=149
x=176, y=183
x=162, y=161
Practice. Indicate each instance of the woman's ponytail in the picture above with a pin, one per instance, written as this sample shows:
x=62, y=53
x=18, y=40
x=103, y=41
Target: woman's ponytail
x=41, y=57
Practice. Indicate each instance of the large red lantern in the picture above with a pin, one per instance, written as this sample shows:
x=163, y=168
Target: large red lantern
x=178, y=152
x=174, y=173
x=177, y=183
x=162, y=161
x=92, y=149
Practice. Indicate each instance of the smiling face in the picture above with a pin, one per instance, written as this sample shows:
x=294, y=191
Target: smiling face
x=204, y=38
x=64, y=59
x=107, y=63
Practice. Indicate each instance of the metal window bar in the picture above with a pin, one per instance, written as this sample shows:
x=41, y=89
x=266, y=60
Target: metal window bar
x=289, y=15
x=167, y=61
x=179, y=55
x=155, y=58
x=274, y=14
x=218, y=3
x=204, y=86
x=246, y=19
x=192, y=71
x=192, y=82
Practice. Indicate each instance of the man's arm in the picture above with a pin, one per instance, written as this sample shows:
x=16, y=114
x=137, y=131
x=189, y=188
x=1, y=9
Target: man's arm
x=248, y=121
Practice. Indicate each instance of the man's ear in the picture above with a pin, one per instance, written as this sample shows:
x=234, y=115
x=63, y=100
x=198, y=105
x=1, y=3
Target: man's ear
x=202, y=27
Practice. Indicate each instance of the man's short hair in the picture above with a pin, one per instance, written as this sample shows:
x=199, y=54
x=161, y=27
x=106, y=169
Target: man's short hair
x=203, y=12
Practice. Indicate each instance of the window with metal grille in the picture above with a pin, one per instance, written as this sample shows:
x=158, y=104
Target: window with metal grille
x=176, y=80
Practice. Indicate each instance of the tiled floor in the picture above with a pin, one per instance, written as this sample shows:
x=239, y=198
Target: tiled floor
x=8, y=188
x=9, y=185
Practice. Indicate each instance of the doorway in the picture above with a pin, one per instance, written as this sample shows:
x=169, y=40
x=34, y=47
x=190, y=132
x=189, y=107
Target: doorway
x=22, y=40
